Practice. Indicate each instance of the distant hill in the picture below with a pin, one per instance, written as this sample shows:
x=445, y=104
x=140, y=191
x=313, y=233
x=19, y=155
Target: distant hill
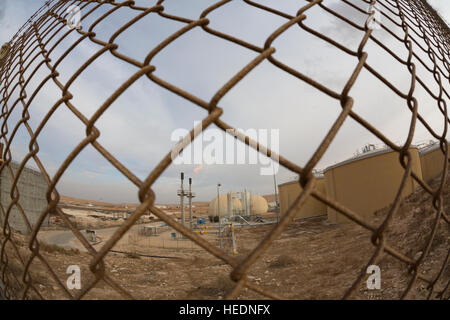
x=66, y=200
x=72, y=200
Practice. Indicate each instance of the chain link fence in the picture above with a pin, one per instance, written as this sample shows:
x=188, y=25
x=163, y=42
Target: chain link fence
x=415, y=17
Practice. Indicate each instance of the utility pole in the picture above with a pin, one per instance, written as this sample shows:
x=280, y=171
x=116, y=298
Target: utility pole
x=218, y=213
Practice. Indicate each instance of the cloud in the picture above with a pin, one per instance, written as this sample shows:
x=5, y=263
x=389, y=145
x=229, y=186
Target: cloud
x=136, y=129
x=13, y=15
x=2, y=10
x=442, y=7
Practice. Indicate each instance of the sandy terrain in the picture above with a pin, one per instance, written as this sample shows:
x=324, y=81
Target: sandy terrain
x=311, y=260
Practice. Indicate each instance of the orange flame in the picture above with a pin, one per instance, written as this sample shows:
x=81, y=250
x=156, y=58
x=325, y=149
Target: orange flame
x=196, y=170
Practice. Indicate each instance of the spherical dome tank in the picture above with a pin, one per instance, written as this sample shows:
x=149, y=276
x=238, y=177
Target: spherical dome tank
x=223, y=203
x=258, y=205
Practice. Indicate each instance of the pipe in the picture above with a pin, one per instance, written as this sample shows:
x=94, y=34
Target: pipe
x=182, y=198
x=190, y=203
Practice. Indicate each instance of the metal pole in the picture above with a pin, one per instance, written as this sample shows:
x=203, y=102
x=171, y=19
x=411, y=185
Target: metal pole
x=190, y=203
x=229, y=204
x=233, y=239
x=182, y=198
x=218, y=212
x=277, y=209
x=244, y=203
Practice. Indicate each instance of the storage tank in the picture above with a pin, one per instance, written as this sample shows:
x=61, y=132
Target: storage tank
x=258, y=205
x=432, y=161
x=290, y=191
x=223, y=203
x=368, y=182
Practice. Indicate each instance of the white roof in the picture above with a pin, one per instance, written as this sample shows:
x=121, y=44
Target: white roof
x=365, y=155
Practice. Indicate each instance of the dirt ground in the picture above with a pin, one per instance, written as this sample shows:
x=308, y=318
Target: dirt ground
x=311, y=260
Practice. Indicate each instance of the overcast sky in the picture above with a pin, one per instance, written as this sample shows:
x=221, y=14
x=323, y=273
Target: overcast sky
x=137, y=128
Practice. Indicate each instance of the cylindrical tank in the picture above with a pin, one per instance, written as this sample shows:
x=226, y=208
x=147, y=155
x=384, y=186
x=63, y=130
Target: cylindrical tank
x=432, y=161
x=258, y=205
x=290, y=191
x=223, y=203
x=368, y=182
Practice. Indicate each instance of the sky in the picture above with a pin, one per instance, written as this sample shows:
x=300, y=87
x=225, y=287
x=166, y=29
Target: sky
x=441, y=6
x=139, y=126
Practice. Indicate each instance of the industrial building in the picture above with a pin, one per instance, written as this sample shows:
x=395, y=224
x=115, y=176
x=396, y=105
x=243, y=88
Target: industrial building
x=368, y=182
x=290, y=191
x=364, y=183
x=432, y=161
x=32, y=189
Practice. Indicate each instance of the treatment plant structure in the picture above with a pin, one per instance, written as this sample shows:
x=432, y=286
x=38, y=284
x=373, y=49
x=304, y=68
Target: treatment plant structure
x=364, y=183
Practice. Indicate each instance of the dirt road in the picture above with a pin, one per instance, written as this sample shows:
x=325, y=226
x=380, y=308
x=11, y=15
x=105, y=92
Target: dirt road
x=66, y=239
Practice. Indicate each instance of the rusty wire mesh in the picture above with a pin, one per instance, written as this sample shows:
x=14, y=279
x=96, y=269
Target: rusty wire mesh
x=416, y=18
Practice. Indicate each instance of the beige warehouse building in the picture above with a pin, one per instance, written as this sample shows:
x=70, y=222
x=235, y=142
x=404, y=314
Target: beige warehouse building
x=368, y=182
x=289, y=191
x=432, y=161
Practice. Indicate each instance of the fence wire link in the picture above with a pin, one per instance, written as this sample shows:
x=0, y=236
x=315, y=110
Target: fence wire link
x=415, y=17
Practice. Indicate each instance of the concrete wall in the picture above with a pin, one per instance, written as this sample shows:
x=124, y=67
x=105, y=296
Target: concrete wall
x=432, y=162
x=288, y=192
x=32, y=188
x=368, y=183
